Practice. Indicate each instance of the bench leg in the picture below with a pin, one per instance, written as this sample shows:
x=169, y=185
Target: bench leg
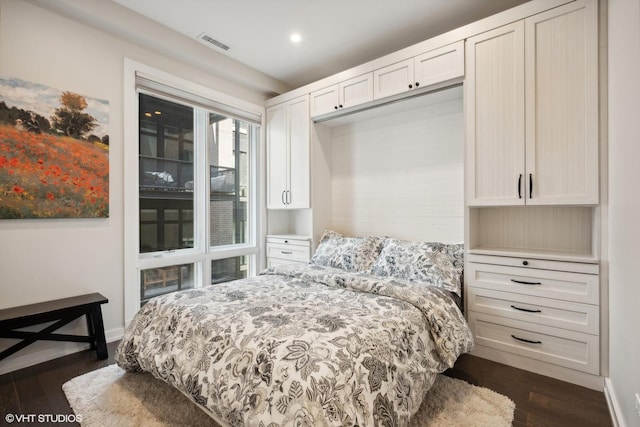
x=98, y=327
x=90, y=329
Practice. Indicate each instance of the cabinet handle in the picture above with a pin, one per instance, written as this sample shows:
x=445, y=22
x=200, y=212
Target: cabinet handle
x=335, y=107
x=526, y=309
x=417, y=84
x=525, y=340
x=340, y=105
x=519, y=186
x=522, y=282
x=286, y=252
x=288, y=197
x=284, y=202
x=531, y=186
x=410, y=86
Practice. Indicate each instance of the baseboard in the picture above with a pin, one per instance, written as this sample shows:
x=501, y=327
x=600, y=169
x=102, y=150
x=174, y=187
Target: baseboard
x=53, y=350
x=612, y=403
x=594, y=382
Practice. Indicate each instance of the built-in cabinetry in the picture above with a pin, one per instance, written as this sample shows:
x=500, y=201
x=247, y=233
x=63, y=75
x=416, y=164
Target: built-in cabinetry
x=532, y=184
x=532, y=192
x=345, y=94
x=286, y=249
x=423, y=70
x=531, y=93
x=288, y=154
x=415, y=73
x=544, y=310
x=294, y=184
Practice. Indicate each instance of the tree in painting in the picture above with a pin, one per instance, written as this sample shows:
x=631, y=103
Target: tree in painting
x=69, y=118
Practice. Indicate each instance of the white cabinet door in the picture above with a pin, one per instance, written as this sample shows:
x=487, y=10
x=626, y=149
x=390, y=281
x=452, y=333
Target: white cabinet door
x=494, y=108
x=561, y=48
x=439, y=65
x=298, y=196
x=357, y=90
x=325, y=100
x=395, y=78
x=435, y=66
x=342, y=95
x=288, y=155
x=277, y=156
x=532, y=110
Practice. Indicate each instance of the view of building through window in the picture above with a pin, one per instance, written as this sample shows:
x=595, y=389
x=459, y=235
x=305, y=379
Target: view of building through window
x=169, y=192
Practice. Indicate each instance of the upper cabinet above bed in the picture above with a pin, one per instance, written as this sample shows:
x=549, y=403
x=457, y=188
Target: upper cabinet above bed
x=532, y=110
x=421, y=71
x=415, y=75
x=348, y=93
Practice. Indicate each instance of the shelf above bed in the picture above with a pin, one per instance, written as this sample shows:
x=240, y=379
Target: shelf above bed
x=552, y=255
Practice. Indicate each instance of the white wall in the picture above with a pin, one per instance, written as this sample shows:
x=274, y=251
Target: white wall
x=624, y=207
x=401, y=173
x=49, y=259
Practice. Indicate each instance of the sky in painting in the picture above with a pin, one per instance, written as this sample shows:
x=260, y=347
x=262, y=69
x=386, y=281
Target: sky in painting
x=44, y=100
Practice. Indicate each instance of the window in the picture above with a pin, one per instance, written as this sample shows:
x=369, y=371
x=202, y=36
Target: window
x=166, y=163
x=194, y=192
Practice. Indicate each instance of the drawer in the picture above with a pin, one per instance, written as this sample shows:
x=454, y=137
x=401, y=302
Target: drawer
x=560, y=347
x=576, y=287
x=286, y=240
x=278, y=261
x=288, y=252
x=543, y=311
x=542, y=264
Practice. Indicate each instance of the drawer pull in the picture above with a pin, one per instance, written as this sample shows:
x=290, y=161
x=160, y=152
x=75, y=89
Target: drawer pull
x=286, y=252
x=522, y=282
x=526, y=309
x=525, y=340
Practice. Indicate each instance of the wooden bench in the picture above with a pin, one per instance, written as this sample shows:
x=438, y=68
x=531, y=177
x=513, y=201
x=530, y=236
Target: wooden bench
x=62, y=312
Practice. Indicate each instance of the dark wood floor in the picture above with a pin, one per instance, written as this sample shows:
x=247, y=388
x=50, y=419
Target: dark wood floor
x=540, y=401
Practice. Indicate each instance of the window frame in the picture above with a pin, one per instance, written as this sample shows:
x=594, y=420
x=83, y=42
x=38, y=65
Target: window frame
x=201, y=255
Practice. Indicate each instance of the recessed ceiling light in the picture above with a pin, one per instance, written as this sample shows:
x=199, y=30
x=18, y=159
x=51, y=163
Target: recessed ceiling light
x=296, y=38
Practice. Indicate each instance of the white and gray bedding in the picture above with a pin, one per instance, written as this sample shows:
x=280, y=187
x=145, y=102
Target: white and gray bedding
x=301, y=345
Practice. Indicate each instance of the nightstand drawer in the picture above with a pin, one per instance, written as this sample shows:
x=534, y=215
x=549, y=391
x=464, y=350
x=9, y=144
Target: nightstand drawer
x=288, y=252
x=278, y=261
x=543, y=311
x=557, y=346
x=289, y=240
x=576, y=287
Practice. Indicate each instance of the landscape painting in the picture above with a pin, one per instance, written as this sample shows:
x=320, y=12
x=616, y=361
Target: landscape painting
x=54, y=153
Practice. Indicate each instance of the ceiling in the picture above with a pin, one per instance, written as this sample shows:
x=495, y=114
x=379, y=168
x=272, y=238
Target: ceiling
x=336, y=34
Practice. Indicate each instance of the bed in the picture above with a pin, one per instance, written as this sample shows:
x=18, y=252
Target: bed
x=356, y=337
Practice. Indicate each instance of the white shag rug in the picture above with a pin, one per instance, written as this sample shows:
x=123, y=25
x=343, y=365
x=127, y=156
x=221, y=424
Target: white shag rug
x=111, y=397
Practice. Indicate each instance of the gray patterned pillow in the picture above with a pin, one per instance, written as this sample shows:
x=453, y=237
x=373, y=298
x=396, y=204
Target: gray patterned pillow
x=348, y=253
x=431, y=263
x=456, y=251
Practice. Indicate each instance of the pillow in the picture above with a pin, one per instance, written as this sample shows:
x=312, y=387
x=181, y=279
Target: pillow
x=456, y=251
x=429, y=263
x=347, y=253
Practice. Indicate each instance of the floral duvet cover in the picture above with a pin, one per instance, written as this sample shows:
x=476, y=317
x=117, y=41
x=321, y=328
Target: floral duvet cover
x=300, y=345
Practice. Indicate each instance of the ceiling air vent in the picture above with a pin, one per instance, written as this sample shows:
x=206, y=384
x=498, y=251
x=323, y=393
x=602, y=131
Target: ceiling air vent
x=210, y=40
